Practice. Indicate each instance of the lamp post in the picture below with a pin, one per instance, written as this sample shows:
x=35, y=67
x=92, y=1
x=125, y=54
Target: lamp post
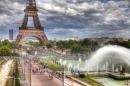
x=30, y=65
x=23, y=54
x=36, y=54
x=63, y=76
x=30, y=70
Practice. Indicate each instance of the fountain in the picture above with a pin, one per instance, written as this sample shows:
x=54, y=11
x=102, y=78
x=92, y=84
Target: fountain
x=97, y=67
x=78, y=67
x=80, y=60
x=112, y=52
x=113, y=68
x=108, y=55
x=60, y=61
x=64, y=63
x=69, y=68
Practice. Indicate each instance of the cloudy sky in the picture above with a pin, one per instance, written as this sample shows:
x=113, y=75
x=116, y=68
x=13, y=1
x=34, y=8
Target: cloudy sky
x=70, y=18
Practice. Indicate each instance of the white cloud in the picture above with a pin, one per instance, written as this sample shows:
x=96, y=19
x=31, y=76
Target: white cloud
x=102, y=19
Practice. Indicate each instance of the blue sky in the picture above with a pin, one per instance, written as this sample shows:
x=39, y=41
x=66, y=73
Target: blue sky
x=71, y=18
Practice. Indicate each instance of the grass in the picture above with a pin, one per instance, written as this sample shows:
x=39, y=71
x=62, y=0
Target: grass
x=53, y=66
x=89, y=80
x=9, y=82
x=2, y=62
x=12, y=70
x=16, y=69
x=17, y=82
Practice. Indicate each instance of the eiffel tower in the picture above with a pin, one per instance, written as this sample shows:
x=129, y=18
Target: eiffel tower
x=36, y=31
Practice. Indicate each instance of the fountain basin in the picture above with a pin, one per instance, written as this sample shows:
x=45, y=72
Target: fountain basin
x=118, y=76
x=110, y=81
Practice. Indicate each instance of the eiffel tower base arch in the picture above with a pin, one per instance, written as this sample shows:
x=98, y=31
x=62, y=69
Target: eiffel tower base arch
x=39, y=34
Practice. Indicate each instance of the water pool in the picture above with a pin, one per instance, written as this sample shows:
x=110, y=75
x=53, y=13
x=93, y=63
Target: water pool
x=111, y=82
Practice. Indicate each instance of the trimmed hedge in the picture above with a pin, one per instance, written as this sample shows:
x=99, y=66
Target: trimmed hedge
x=82, y=75
x=16, y=69
x=17, y=82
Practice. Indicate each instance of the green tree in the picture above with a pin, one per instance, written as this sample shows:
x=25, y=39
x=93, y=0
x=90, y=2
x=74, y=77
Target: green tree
x=5, y=42
x=5, y=51
x=34, y=43
x=12, y=45
x=14, y=53
x=86, y=42
x=50, y=44
x=1, y=44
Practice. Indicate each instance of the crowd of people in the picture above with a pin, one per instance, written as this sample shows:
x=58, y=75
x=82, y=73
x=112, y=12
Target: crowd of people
x=45, y=68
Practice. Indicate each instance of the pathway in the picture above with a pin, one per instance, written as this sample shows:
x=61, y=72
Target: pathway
x=43, y=79
x=4, y=72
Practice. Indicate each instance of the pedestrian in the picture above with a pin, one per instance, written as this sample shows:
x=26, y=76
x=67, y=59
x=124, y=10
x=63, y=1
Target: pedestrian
x=33, y=71
x=52, y=73
x=51, y=76
x=72, y=82
x=127, y=83
x=46, y=69
x=58, y=75
x=40, y=71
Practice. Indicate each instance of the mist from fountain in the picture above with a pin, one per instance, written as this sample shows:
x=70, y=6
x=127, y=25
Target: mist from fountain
x=69, y=68
x=60, y=60
x=108, y=55
x=80, y=60
x=64, y=63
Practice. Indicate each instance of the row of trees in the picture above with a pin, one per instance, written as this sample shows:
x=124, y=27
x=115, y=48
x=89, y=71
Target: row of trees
x=6, y=48
x=9, y=44
x=116, y=42
x=82, y=46
x=33, y=43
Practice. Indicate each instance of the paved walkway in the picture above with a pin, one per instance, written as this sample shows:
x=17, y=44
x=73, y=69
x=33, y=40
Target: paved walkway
x=43, y=79
x=23, y=81
x=4, y=72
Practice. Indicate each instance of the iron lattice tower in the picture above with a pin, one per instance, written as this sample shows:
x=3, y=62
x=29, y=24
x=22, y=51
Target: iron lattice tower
x=36, y=31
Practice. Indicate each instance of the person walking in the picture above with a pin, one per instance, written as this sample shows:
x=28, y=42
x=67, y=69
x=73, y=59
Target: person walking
x=58, y=75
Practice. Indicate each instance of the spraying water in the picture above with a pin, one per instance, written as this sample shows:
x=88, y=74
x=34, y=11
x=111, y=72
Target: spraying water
x=109, y=55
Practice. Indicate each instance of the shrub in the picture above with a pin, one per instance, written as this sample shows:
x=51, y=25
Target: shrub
x=16, y=69
x=82, y=75
x=17, y=82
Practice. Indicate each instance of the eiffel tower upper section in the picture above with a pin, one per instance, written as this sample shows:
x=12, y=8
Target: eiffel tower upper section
x=31, y=11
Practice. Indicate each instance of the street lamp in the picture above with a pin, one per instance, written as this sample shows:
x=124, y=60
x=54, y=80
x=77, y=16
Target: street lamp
x=36, y=54
x=23, y=54
x=63, y=75
x=30, y=65
x=30, y=70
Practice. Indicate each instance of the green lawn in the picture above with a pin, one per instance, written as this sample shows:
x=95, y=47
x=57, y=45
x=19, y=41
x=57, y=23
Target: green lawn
x=12, y=70
x=2, y=62
x=53, y=66
x=9, y=82
x=89, y=80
